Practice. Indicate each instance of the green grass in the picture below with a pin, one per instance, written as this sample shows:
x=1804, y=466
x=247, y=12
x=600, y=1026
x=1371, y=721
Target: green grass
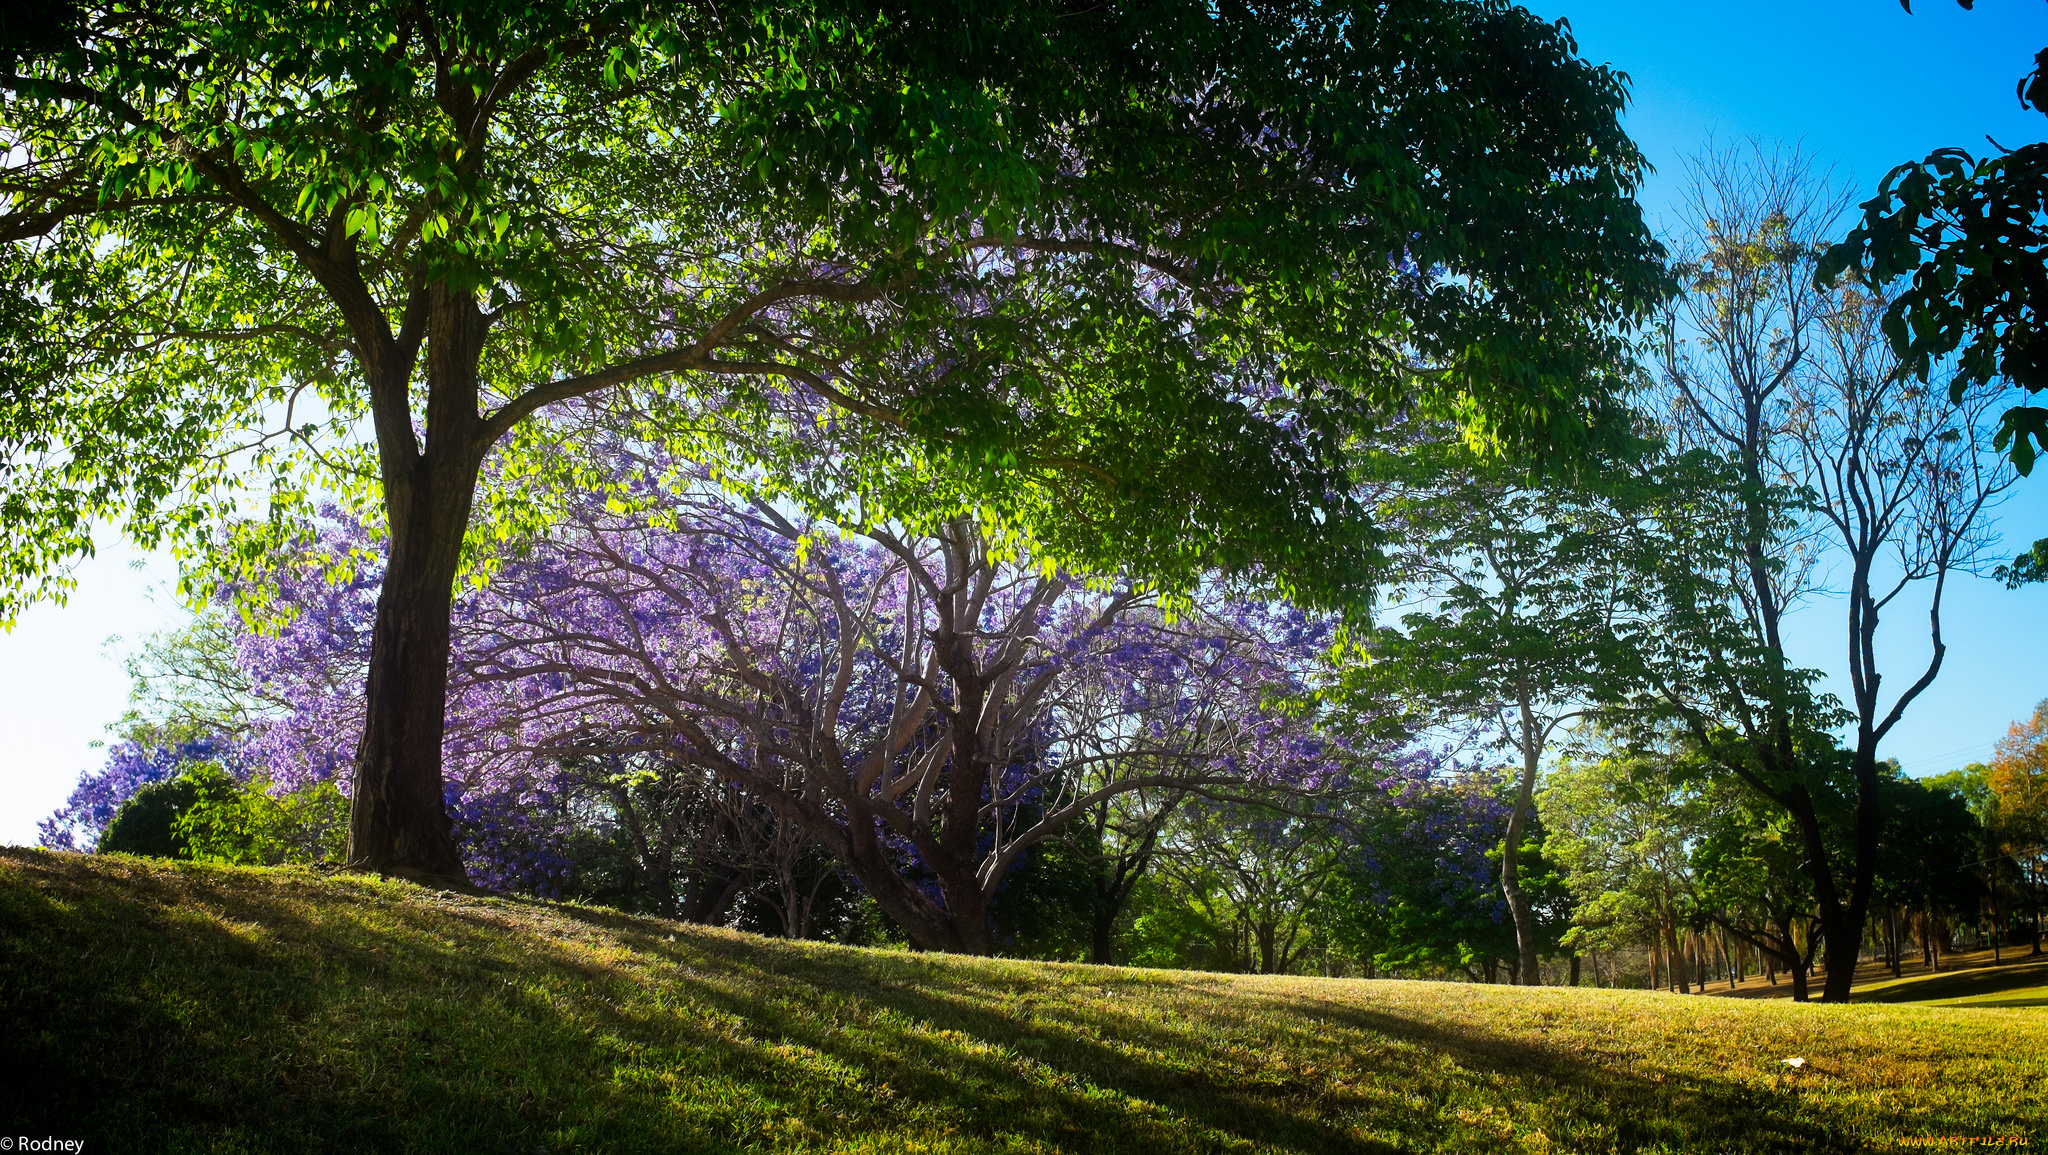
x=2022, y=981
x=150, y=1006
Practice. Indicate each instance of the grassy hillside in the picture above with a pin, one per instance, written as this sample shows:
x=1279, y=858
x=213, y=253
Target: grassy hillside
x=151, y=1006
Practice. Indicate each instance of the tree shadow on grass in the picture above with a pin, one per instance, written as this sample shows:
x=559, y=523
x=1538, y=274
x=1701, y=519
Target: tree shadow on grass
x=1594, y=1096
x=154, y=1008
x=1604, y=1105
x=2028, y=974
x=161, y=1009
x=153, y=1011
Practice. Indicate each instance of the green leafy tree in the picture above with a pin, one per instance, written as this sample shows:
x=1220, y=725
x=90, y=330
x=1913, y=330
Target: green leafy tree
x=1521, y=589
x=1418, y=885
x=1253, y=877
x=147, y=824
x=1972, y=784
x=1752, y=885
x=1621, y=829
x=243, y=824
x=206, y=815
x=1132, y=282
x=1117, y=842
x=2018, y=779
x=1932, y=839
x=184, y=685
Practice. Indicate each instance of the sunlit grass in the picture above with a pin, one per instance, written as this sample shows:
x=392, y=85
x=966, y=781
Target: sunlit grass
x=152, y=1006
x=2019, y=981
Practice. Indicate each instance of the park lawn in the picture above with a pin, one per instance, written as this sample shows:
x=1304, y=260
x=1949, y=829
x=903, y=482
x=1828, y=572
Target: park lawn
x=147, y=1005
x=2020, y=981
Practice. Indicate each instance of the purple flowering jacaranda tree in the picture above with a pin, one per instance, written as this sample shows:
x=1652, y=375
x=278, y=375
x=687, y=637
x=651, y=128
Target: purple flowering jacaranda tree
x=911, y=701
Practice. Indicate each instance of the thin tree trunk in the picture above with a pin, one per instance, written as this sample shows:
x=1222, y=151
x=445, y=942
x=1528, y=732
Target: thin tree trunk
x=2034, y=891
x=1510, y=862
x=1996, y=958
x=1898, y=933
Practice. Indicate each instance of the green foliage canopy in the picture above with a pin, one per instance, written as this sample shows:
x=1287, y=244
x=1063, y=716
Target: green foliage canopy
x=1133, y=278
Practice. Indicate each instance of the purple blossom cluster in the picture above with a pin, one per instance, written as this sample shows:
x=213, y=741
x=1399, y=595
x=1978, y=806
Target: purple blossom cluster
x=308, y=668
x=1440, y=818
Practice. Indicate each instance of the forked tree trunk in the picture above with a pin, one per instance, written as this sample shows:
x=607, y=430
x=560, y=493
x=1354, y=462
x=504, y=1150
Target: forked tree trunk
x=398, y=817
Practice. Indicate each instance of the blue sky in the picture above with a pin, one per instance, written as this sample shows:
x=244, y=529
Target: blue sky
x=1863, y=86
x=1859, y=83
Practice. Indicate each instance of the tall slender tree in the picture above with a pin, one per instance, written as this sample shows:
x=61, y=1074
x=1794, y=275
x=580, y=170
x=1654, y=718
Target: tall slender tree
x=1519, y=593
x=1834, y=450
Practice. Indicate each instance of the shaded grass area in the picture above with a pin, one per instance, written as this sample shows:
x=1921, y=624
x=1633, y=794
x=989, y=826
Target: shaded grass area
x=159, y=1006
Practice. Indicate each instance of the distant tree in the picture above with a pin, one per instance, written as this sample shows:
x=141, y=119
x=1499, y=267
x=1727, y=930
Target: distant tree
x=1420, y=888
x=1135, y=281
x=2018, y=780
x=1254, y=876
x=1518, y=590
x=589, y=671
x=1972, y=784
x=1754, y=882
x=1621, y=830
x=185, y=685
x=1930, y=859
x=1118, y=841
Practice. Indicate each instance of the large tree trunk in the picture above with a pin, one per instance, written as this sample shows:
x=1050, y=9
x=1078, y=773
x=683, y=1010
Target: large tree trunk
x=1843, y=924
x=957, y=925
x=398, y=820
x=398, y=817
x=1102, y=934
